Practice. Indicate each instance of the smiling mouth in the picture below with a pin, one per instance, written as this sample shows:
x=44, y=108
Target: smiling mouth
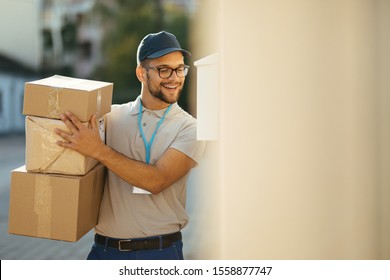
x=170, y=86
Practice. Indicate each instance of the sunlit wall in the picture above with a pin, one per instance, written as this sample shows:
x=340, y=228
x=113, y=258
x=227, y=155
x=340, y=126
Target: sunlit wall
x=302, y=160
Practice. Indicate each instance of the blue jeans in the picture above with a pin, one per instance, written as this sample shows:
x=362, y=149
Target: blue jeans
x=101, y=252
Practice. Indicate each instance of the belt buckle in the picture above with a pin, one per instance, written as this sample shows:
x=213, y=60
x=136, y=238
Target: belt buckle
x=120, y=245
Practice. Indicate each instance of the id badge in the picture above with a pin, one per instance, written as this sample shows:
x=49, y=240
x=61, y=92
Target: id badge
x=137, y=190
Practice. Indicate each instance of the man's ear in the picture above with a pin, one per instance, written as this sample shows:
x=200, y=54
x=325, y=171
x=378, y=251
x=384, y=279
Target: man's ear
x=140, y=72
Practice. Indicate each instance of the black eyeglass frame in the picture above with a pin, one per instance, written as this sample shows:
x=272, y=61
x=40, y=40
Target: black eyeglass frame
x=186, y=68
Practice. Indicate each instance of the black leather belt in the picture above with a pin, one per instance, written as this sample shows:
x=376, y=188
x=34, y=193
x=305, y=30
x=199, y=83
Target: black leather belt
x=157, y=242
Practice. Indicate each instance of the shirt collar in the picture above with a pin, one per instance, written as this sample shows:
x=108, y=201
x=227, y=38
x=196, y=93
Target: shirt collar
x=134, y=110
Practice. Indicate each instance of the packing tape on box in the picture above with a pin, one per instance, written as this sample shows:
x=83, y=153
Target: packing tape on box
x=99, y=102
x=42, y=205
x=51, y=149
x=54, y=106
x=53, y=103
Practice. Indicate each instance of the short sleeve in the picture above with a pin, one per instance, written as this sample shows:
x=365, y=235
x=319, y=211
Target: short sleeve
x=186, y=142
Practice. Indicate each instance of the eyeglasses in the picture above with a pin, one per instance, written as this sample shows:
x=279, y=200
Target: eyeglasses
x=166, y=72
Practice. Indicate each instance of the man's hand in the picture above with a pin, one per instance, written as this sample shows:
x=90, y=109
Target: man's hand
x=83, y=139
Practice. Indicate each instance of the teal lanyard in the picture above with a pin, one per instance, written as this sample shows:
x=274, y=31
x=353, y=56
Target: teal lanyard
x=148, y=145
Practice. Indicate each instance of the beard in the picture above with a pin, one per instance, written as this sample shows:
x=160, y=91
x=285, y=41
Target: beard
x=167, y=98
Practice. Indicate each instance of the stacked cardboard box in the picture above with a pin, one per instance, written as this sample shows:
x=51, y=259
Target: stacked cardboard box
x=57, y=194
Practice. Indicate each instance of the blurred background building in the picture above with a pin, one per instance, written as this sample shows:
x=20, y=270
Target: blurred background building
x=82, y=38
x=38, y=38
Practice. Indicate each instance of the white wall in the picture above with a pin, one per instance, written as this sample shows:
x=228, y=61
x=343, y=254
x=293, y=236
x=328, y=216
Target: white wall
x=20, y=36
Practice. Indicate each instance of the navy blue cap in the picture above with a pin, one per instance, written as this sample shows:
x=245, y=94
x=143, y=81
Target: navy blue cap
x=158, y=44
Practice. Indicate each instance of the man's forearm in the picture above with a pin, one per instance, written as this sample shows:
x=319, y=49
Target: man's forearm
x=136, y=173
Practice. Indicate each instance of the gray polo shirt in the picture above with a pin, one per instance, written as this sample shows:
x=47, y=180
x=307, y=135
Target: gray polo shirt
x=124, y=214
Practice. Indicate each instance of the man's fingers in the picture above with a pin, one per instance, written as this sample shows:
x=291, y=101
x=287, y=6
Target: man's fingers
x=63, y=134
x=63, y=144
x=71, y=126
x=93, y=122
x=74, y=120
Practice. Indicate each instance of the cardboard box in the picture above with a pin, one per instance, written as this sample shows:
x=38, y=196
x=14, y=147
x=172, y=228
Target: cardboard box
x=44, y=155
x=51, y=97
x=56, y=207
